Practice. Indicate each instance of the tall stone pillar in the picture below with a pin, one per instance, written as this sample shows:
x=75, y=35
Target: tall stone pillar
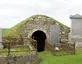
x=76, y=30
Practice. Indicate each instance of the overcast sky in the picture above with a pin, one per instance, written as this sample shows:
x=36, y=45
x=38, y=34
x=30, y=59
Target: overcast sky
x=14, y=11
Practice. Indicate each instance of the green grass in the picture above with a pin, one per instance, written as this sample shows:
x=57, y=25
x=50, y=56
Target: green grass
x=15, y=31
x=5, y=32
x=48, y=58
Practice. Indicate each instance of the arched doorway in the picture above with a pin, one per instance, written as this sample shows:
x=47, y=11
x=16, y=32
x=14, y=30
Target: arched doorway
x=40, y=37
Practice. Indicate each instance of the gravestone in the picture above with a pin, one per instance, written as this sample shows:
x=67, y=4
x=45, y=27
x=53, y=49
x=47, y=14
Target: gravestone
x=1, y=45
x=76, y=30
x=0, y=35
x=55, y=34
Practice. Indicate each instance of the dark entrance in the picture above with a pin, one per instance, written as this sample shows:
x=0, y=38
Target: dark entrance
x=40, y=37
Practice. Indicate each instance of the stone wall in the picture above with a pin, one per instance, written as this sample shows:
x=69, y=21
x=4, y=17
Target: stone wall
x=43, y=23
x=22, y=59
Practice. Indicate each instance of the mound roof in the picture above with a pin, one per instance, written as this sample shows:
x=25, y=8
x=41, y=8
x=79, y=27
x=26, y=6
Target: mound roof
x=15, y=31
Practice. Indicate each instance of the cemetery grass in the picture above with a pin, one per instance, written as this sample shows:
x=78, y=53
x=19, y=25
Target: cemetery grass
x=48, y=58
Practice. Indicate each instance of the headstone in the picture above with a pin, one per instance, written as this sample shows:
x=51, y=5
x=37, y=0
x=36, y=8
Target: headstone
x=76, y=24
x=76, y=30
x=55, y=35
x=1, y=45
x=0, y=35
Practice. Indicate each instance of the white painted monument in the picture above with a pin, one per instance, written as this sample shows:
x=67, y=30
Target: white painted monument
x=1, y=45
x=76, y=30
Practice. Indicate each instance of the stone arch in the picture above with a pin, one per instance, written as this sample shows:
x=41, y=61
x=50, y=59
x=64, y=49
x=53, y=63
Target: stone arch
x=34, y=30
x=40, y=37
x=37, y=22
x=43, y=23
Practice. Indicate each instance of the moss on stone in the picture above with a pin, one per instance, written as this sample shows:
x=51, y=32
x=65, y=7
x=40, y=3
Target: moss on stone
x=15, y=31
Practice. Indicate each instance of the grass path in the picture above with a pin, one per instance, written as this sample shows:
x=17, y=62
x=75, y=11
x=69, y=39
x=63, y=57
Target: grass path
x=48, y=58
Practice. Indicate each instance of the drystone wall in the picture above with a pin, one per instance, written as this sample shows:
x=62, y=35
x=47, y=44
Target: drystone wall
x=23, y=59
x=43, y=23
x=37, y=23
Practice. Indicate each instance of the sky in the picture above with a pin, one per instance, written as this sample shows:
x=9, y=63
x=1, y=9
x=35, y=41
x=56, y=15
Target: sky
x=14, y=11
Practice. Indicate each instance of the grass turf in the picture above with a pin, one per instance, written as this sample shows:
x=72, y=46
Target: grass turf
x=5, y=32
x=48, y=58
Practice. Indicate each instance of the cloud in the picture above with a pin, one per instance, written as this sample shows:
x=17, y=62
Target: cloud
x=14, y=11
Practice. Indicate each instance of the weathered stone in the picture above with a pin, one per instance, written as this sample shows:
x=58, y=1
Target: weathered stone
x=75, y=31
x=0, y=35
x=42, y=23
x=24, y=59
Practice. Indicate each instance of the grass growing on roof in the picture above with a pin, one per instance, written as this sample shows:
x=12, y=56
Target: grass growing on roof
x=16, y=30
x=5, y=32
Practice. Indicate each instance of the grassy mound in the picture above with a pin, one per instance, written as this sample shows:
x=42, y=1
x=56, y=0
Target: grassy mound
x=5, y=32
x=16, y=30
